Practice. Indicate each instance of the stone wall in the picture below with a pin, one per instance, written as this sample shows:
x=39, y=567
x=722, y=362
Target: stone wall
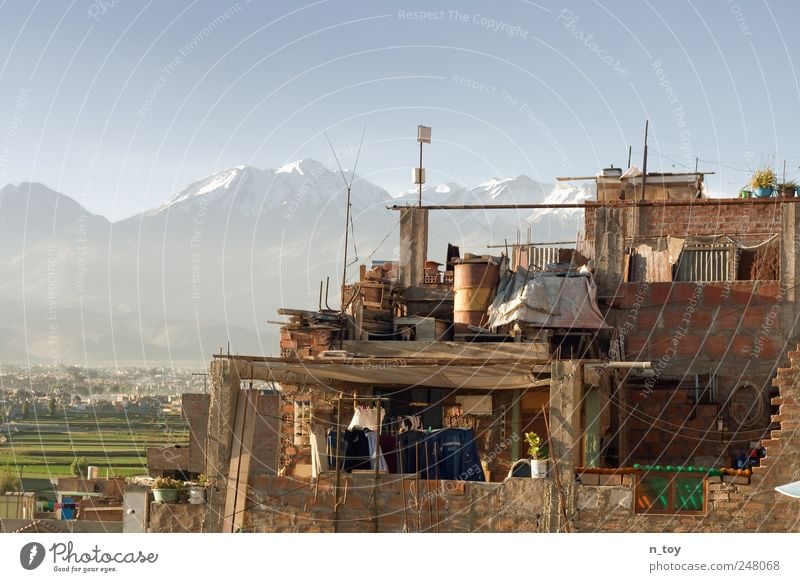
x=177, y=518
x=293, y=505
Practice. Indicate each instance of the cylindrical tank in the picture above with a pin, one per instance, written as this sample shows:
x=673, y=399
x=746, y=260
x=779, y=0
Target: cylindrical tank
x=92, y=472
x=474, y=284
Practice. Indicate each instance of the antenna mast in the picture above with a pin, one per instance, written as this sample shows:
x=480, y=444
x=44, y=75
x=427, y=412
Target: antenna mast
x=347, y=185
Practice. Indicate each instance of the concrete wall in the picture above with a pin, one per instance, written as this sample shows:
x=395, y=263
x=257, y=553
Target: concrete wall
x=134, y=508
x=195, y=410
x=17, y=505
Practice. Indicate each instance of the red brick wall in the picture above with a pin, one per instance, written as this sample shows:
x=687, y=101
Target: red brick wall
x=731, y=320
x=731, y=330
x=660, y=221
x=265, y=453
x=701, y=220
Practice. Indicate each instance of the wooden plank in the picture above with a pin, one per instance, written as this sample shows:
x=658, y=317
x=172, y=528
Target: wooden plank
x=232, y=491
x=438, y=349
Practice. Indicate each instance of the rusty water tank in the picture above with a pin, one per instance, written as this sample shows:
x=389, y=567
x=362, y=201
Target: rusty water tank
x=474, y=284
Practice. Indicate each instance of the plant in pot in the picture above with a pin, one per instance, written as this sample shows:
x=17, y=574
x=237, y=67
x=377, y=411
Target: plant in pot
x=538, y=453
x=787, y=189
x=166, y=489
x=763, y=182
x=197, y=490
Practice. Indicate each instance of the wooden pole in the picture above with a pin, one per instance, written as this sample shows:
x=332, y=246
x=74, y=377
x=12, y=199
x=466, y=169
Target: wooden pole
x=337, y=459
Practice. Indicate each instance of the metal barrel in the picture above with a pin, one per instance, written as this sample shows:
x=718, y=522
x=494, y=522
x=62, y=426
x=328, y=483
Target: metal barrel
x=474, y=284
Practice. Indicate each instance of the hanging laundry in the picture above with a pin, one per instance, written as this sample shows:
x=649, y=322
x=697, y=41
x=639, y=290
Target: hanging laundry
x=316, y=438
x=365, y=417
x=356, y=450
x=372, y=439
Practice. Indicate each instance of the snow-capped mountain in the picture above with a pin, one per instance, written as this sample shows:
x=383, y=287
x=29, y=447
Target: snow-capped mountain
x=561, y=224
x=215, y=261
x=249, y=192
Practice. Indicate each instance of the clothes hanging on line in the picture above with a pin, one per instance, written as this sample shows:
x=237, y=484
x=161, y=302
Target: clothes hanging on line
x=316, y=439
x=413, y=422
x=356, y=451
x=449, y=453
x=365, y=417
x=360, y=451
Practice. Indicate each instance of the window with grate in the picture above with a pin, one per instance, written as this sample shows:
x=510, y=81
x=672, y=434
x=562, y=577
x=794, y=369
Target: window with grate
x=706, y=262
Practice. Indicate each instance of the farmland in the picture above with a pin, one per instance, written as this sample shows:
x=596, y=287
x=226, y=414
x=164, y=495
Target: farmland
x=116, y=442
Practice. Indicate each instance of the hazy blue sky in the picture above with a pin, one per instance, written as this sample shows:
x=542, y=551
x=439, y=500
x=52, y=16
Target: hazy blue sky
x=121, y=103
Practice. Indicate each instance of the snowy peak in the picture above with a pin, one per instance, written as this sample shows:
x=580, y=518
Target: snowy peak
x=304, y=167
x=519, y=189
x=563, y=193
x=215, y=183
x=299, y=186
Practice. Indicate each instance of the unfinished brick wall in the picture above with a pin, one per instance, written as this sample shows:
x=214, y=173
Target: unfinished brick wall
x=732, y=330
x=707, y=220
x=733, y=506
x=654, y=220
x=265, y=451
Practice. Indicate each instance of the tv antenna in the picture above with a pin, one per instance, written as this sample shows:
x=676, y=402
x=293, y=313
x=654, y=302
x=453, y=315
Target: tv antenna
x=347, y=218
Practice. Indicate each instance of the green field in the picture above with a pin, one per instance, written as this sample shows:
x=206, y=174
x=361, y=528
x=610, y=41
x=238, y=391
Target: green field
x=113, y=441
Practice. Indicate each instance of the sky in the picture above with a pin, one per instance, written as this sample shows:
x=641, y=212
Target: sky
x=122, y=103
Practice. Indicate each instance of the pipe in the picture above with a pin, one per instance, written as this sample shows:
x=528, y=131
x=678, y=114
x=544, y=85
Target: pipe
x=516, y=423
x=612, y=204
x=622, y=365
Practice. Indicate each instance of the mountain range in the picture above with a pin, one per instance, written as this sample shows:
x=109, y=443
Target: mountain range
x=213, y=263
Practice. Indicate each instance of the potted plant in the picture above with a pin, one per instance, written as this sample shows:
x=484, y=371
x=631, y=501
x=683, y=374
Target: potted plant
x=538, y=453
x=763, y=182
x=166, y=489
x=197, y=491
x=787, y=189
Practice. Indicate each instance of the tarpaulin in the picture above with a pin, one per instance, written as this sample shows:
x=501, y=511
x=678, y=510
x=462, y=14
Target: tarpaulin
x=545, y=300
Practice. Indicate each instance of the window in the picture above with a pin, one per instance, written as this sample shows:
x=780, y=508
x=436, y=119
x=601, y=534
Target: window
x=664, y=492
x=706, y=262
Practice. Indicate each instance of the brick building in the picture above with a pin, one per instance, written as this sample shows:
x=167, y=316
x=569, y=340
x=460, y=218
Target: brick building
x=647, y=388
x=704, y=289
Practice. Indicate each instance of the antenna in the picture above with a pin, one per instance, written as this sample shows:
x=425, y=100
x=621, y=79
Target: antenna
x=423, y=136
x=644, y=156
x=347, y=220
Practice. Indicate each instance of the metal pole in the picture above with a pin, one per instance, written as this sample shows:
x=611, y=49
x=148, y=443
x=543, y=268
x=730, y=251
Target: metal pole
x=346, y=242
x=615, y=204
x=338, y=466
x=516, y=422
x=377, y=466
x=644, y=162
x=630, y=151
x=420, y=173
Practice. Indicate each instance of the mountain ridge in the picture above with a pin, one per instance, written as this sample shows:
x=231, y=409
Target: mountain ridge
x=214, y=261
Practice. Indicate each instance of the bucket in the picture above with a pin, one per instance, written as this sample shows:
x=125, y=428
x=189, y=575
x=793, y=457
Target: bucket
x=539, y=469
x=197, y=495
